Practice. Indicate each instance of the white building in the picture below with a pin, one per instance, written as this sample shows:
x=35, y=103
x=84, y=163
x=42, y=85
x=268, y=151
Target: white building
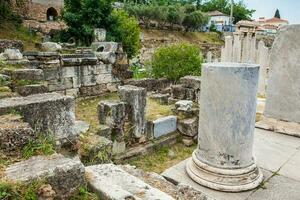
x=220, y=20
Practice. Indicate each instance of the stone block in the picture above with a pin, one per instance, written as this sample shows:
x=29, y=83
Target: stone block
x=163, y=126
x=160, y=98
x=150, y=84
x=283, y=89
x=72, y=92
x=70, y=71
x=182, y=93
x=104, y=69
x=188, y=142
x=184, y=105
x=104, y=131
x=188, y=127
x=51, y=73
x=28, y=74
x=95, y=149
x=14, y=134
x=111, y=113
x=118, y=147
x=31, y=89
x=112, y=182
x=105, y=78
x=93, y=90
x=88, y=80
x=135, y=97
x=50, y=46
x=13, y=54
x=65, y=175
x=191, y=82
x=105, y=47
x=61, y=84
x=106, y=57
x=50, y=113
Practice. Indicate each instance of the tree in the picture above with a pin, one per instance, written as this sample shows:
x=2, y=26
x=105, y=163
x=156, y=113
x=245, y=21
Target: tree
x=124, y=29
x=277, y=14
x=240, y=11
x=194, y=20
x=82, y=16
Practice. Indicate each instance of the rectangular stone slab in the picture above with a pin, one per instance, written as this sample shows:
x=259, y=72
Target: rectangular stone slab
x=63, y=174
x=112, y=182
x=165, y=125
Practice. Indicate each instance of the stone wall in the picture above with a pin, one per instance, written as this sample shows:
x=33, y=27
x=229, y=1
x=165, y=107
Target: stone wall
x=74, y=74
x=8, y=44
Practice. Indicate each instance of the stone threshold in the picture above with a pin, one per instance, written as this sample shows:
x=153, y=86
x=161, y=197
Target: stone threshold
x=145, y=148
x=279, y=126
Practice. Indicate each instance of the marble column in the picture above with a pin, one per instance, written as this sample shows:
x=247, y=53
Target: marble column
x=228, y=48
x=223, y=160
x=263, y=61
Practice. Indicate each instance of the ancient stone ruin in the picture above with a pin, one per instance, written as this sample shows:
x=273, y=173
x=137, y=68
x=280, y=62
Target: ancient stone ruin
x=72, y=122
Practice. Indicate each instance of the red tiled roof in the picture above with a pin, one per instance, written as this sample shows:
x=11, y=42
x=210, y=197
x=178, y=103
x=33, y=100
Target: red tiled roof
x=274, y=20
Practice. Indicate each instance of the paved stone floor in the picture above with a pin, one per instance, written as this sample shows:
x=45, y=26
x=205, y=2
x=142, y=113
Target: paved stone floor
x=279, y=158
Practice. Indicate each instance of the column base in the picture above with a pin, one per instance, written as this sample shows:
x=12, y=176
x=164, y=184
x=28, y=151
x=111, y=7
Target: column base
x=227, y=180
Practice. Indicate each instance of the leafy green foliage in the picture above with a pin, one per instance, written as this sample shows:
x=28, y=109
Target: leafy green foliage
x=168, y=14
x=139, y=73
x=176, y=61
x=82, y=16
x=43, y=145
x=240, y=11
x=195, y=20
x=126, y=30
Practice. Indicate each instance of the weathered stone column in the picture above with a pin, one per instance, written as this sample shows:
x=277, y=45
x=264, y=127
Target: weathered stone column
x=223, y=159
x=135, y=97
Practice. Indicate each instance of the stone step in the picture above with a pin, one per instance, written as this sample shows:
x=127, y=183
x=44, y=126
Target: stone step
x=65, y=175
x=111, y=182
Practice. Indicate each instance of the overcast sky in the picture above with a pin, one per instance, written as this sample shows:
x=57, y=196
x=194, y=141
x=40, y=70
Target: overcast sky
x=289, y=9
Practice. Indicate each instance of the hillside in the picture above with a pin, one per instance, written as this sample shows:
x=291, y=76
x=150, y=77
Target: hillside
x=152, y=39
x=9, y=31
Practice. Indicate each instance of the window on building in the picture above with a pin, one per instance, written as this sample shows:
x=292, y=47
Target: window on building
x=52, y=14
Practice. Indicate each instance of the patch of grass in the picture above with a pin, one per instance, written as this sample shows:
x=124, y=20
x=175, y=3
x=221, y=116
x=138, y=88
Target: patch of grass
x=83, y=193
x=10, y=67
x=43, y=145
x=158, y=160
x=154, y=110
x=10, y=31
x=17, y=191
x=86, y=109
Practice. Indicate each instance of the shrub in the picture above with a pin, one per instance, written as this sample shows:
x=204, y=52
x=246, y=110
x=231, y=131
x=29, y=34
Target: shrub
x=126, y=30
x=176, y=61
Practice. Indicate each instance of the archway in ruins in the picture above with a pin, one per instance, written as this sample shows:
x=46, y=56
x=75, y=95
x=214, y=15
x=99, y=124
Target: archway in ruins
x=52, y=14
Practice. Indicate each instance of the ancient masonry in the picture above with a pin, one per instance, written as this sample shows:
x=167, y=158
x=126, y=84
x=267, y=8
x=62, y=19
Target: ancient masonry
x=84, y=73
